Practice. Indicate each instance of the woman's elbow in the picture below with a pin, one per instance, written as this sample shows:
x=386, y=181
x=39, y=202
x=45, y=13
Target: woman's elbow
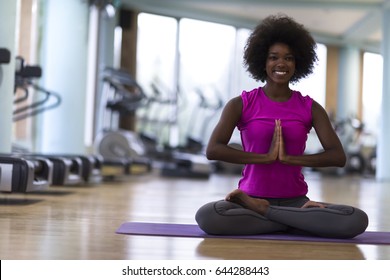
x=211, y=153
x=215, y=151
x=341, y=159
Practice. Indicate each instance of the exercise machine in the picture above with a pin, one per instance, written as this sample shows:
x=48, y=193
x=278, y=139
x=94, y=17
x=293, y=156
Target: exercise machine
x=24, y=77
x=123, y=95
x=5, y=56
x=189, y=160
x=22, y=174
x=209, y=104
x=67, y=169
x=120, y=95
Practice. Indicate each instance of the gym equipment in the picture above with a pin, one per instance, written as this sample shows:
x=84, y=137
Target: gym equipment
x=24, y=75
x=173, y=161
x=24, y=174
x=67, y=169
x=115, y=169
x=201, y=117
x=74, y=169
x=120, y=95
x=91, y=167
x=372, y=161
x=189, y=160
x=351, y=132
x=187, y=165
x=5, y=56
x=120, y=148
x=156, y=116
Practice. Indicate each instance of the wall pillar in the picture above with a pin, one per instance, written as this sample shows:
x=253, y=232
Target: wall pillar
x=8, y=19
x=383, y=147
x=63, y=58
x=349, y=83
x=332, y=80
x=128, y=23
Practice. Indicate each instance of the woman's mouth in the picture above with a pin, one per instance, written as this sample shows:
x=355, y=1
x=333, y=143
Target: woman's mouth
x=280, y=72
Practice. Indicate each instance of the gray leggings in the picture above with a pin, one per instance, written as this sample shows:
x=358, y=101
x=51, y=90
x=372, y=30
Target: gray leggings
x=284, y=215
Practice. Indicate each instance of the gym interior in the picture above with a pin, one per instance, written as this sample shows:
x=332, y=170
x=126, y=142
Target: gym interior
x=107, y=106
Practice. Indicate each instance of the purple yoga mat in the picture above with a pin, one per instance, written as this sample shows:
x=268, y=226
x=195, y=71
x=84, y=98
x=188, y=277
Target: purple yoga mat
x=187, y=230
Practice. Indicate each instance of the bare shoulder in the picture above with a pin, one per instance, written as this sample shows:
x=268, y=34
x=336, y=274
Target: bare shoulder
x=232, y=110
x=321, y=120
x=236, y=100
x=318, y=111
x=234, y=104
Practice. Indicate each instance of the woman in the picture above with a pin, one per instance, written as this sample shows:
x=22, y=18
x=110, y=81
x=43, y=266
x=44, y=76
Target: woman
x=274, y=122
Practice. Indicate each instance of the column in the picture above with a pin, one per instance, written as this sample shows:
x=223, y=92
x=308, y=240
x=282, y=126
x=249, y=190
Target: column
x=64, y=56
x=8, y=19
x=332, y=79
x=349, y=87
x=383, y=147
x=128, y=24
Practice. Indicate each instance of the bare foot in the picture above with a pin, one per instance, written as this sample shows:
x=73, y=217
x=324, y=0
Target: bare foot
x=256, y=204
x=313, y=204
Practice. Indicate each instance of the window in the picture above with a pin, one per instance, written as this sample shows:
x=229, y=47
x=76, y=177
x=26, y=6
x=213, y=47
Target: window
x=372, y=91
x=156, y=73
x=315, y=84
x=206, y=65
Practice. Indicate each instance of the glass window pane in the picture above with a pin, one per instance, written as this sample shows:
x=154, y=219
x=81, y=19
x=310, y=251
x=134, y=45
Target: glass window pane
x=206, y=64
x=156, y=50
x=156, y=73
x=315, y=84
x=372, y=91
x=244, y=80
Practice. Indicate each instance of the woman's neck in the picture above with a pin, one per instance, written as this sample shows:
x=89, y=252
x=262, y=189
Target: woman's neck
x=279, y=93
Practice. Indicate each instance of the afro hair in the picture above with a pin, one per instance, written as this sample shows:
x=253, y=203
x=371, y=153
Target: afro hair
x=280, y=29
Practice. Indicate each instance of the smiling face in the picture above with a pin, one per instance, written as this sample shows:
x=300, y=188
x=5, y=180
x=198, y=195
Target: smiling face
x=280, y=65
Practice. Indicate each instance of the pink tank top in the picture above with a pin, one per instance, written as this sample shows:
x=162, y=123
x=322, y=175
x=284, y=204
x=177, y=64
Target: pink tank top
x=257, y=123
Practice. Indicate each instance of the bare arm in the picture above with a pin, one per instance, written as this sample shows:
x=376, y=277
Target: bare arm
x=333, y=153
x=218, y=149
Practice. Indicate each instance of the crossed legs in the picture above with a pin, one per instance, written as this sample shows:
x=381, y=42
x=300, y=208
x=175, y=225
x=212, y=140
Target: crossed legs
x=240, y=214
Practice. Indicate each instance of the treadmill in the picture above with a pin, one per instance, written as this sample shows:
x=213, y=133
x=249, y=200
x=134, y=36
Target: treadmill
x=121, y=150
x=121, y=144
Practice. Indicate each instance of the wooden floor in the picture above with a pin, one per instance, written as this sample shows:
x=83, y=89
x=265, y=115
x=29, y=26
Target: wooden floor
x=79, y=222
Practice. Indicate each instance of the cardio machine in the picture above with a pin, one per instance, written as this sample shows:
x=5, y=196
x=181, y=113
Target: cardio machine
x=123, y=95
x=163, y=109
x=189, y=160
x=117, y=146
